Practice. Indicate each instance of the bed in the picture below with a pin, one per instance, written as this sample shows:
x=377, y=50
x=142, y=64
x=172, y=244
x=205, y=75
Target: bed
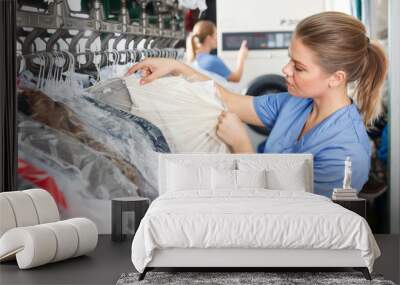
x=246, y=211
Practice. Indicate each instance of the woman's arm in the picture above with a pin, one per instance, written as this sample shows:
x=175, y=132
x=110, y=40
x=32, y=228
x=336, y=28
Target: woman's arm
x=240, y=105
x=153, y=68
x=236, y=75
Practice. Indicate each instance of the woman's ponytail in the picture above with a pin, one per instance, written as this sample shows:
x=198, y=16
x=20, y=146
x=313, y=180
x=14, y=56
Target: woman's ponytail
x=191, y=47
x=201, y=30
x=369, y=86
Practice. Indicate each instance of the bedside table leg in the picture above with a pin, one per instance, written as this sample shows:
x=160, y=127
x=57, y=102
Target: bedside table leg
x=140, y=211
x=116, y=221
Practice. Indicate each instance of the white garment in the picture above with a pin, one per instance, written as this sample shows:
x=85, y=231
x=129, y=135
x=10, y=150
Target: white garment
x=231, y=86
x=194, y=4
x=186, y=112
x=253, y=218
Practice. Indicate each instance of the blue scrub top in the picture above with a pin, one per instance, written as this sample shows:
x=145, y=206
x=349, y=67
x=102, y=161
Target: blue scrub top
x=383, y=145
x=212, y=63
x=340, y=135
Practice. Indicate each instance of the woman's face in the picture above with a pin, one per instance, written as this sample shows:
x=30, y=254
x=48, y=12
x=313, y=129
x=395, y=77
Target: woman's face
x=304, y=77
x=213, y=40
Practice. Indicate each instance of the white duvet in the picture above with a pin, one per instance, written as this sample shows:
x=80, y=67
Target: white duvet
x=253, y=218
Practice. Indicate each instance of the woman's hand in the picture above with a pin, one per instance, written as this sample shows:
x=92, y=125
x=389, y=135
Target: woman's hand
x=243, y=51
x=153, y=68
x=232, y=131
x=236, y=75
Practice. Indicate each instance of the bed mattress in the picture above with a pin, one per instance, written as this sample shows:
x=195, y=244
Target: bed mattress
x=250, y=219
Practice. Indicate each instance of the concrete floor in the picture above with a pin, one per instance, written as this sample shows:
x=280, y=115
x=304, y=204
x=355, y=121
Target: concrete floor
x=110, y=260
x=102, y=266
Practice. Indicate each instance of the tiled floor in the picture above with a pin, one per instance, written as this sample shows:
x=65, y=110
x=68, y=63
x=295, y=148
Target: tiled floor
x=109, y=260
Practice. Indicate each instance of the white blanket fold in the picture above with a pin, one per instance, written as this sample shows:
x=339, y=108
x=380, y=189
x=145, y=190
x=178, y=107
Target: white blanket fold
x=255, y=218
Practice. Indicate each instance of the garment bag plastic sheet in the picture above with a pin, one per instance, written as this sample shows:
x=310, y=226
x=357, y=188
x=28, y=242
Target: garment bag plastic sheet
x=112, y=92
x=87, y=179
x=130, y=140
x=102, y=179
x=58, y=116
x=133, y=138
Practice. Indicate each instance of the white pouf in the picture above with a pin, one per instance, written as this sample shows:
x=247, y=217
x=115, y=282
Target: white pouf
x=46, y=208
x=37, y=245
x=23, y=208
x=30, y=230
x=7, y=220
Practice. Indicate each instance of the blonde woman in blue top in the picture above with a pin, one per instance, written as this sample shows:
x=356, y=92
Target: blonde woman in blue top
x=328, y=51
x=201, y=41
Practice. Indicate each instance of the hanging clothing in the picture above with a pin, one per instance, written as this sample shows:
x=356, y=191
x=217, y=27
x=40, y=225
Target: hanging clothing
x=113, y=96
x=338, y=136
x=102, y=179
x=70, y=182
x=58, y=116
x=194, y=4
x=231, y=86
x=33, y=177
x=186, y=112
x=112, y=92
x=122, y=135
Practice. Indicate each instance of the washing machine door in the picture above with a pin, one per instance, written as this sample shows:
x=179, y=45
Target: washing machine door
x=262, y=85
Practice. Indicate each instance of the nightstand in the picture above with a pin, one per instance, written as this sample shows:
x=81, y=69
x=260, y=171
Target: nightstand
x=358, y=206
x=137, y=205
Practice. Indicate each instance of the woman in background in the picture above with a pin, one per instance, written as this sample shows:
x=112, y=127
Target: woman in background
x=201, y=42
x=328, y=51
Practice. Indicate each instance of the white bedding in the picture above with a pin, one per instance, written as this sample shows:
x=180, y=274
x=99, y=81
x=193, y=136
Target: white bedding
x=253, y=218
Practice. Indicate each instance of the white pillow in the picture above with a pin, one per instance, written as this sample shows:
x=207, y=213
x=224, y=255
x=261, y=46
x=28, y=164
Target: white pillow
x=226, y=179
x=294, y=179
x=285, y=174
x=251, y=178
x=181, y=177
x=223, y=179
